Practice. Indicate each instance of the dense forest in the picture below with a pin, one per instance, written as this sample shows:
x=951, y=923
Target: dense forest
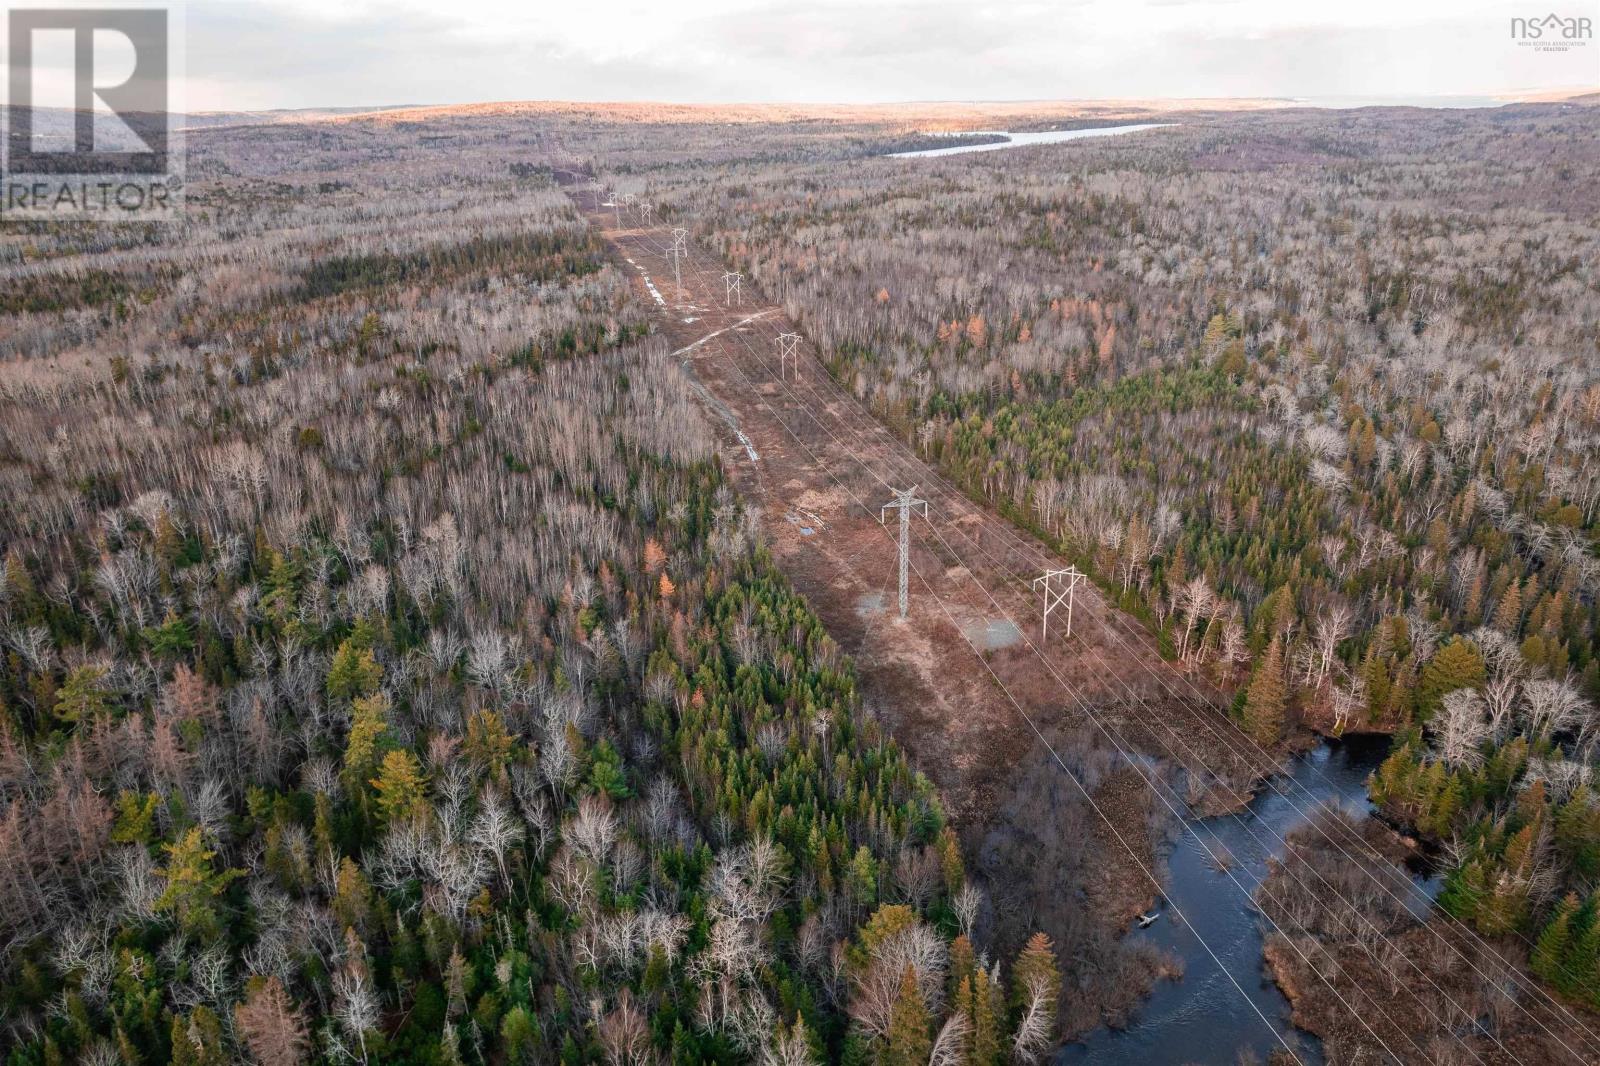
x=1317, y=396
x=389, y=671
x=390, y=675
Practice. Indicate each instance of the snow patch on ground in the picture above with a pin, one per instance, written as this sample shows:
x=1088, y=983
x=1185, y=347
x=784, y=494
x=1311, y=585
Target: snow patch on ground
x=750, y=449
x=655, y=293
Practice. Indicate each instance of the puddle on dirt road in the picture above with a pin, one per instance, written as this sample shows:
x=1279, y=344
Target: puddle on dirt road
x=991, y=634
x=806, y=522
x=1202, y=1017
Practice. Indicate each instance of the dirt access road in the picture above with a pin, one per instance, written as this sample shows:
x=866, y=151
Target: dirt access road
x=959, y=679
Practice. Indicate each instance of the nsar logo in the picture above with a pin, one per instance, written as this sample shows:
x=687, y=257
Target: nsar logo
x=1553, y=33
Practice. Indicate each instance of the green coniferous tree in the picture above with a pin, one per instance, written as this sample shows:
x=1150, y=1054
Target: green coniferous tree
x=1577, y=832
x=908, y=1042
x=987, y=1045
x=369, y=734
x=399, y=785
x=82, y=697
x=193, y=885
x=198, y=1040
x=354, y=672
x=1455, y=666
x=1550, y=952
x=1036, y=964
x=1267, y=698
x=1582, y=969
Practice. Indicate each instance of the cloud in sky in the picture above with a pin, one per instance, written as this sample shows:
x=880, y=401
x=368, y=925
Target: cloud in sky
x=298, y=53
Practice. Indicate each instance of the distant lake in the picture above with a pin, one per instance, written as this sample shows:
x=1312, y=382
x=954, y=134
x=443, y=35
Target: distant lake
x=1020, y=140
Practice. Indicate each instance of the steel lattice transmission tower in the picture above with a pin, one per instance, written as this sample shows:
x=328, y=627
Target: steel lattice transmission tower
x=731, y=291
x=789, y=352
x=904, y=501
x=680, y=249
x=1059, y=588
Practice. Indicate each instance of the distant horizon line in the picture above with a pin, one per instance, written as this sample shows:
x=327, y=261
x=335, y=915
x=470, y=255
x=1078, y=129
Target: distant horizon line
x=1318, y=101
x=1522, y=95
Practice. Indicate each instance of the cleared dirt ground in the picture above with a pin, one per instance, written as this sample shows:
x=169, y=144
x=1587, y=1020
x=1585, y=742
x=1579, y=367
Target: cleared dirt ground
x=959, y=678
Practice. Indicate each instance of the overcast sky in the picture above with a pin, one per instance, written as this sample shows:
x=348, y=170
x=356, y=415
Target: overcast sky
x=310, y=53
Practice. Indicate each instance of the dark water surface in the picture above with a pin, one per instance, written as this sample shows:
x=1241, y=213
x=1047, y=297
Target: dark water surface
x=1202, y=1018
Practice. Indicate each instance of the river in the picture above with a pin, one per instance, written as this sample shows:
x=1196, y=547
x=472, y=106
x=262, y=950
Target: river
x=1202, y=1018
x=1021, y=140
